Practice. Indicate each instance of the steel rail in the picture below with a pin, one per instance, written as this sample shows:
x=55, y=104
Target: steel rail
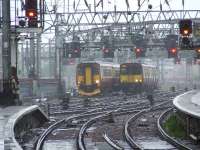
x=112, y=143
x=57, y=124
x=127, y=134
x=80, y=138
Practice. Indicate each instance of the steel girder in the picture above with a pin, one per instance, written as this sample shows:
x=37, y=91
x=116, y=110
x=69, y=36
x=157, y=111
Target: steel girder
x=121, y=22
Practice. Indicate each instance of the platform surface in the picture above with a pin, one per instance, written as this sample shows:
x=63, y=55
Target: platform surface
x=5, y=114
x=8, y=117
x=189, y=103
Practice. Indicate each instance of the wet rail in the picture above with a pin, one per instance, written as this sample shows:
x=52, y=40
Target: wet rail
x=127, y=133
x=127, y=127
x=112, y=143
x=80, y=139
x=126, y=105
x=57, y=124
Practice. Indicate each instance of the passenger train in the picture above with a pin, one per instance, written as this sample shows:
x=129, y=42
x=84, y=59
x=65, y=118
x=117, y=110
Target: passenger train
x=93, y=78
x=136, y=77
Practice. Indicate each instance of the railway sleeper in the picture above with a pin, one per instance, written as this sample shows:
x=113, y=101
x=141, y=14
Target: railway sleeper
x=109, y=118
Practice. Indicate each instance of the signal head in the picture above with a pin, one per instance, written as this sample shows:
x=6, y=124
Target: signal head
x=31, y=13
x=138, y=50
x=185, y=32
x=106, y=50
x=198, y=50
x=185, y=27
x=173, y=50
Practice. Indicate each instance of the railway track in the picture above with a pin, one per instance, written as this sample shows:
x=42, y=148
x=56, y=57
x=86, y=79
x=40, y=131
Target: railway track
x=63, y=122
x=141, y=130
x=80, y=105
x=114, y=143
x=120, y=108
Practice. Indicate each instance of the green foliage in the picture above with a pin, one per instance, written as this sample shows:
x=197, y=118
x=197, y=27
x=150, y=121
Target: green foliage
x=174, y=127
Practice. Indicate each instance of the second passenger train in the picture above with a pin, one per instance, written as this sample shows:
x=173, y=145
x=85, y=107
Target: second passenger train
x=136, y=77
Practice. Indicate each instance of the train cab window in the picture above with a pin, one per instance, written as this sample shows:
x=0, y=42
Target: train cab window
x=136, y=70
x=80, y=70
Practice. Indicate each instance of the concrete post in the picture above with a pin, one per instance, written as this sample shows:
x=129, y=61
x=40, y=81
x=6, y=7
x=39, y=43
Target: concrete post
x=38, y=54
x=56, y=53
x=32, y=52
x=50, y=59
x=58, y=48
x=27, y=58
x=22, y=59
x=6, y=51
x=14, y=50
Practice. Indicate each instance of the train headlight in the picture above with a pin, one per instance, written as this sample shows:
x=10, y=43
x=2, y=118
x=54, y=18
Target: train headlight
x=136, y=80
x=97, y=81
x=140, y=80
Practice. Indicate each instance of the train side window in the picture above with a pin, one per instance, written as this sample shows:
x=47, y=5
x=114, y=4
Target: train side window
x=117, y=73
x=107, y=72
x=124, y=70
x=150, y=73
x=113, y=72
x=136, y=70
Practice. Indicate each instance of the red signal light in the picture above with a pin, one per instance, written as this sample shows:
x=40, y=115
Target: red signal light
x=185, y=32
x=31, y=13
x=105, y=50
x=173, y=50
x=76, y=50
x=138, y=50
x=185, y=27
x=198, y=50
x=172, y=53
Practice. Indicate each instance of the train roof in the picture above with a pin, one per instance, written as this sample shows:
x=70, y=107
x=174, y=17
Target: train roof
x=143, y=65
x=109, y=64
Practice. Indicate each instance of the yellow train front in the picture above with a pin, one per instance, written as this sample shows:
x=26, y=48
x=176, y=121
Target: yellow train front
x=93, y=78
x=136, y=77
x=88, y=79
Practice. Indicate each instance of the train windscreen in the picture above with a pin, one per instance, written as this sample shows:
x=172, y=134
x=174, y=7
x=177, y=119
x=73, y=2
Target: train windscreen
x=131, y=69
x=80, y=70
x=136, y=69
